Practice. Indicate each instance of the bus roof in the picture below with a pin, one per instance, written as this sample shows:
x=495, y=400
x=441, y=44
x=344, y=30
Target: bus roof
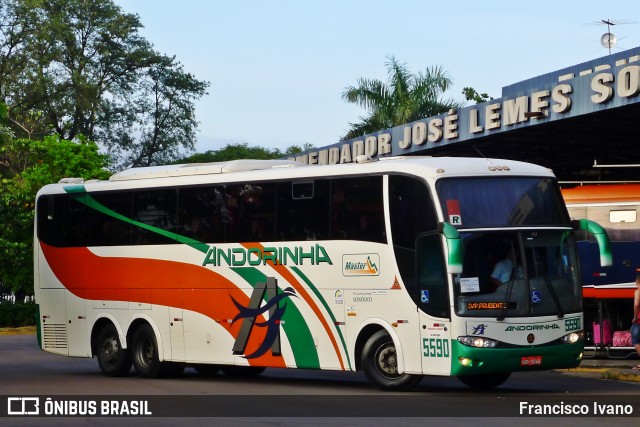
x=261, y=170
x=602, y=193
x=190, y=169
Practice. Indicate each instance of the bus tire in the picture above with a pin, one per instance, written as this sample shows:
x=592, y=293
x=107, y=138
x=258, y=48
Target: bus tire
x=114, y=361
x=484, y=381
x=144, y=352
x=146, y=361
x=380, y=364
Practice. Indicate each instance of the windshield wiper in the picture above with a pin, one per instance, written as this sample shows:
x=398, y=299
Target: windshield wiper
x=503, y=312
x=554, y=296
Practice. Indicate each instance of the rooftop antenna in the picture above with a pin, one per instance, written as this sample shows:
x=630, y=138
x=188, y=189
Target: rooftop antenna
x=609, y=40
x=478, y=151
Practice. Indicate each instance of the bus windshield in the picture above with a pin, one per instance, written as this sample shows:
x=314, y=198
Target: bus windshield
x=499, y=202
x=518, y=274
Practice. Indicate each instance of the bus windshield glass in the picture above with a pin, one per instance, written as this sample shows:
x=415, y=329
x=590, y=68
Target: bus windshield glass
x=502, y=202
x=518, y=274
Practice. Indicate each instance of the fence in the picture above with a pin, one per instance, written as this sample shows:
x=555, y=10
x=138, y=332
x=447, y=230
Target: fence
x=8, y=296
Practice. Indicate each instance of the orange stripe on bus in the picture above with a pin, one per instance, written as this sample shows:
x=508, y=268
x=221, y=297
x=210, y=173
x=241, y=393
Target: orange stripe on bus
x=167, y=283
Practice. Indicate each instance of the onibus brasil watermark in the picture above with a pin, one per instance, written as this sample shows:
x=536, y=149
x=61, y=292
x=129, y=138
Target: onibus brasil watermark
x=25, y=406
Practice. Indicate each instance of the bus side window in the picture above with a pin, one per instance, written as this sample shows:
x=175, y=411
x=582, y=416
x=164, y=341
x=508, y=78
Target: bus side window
x=51, y=215
x=76, y=221
x=303, y=210
x=107, y=229
x=203, y=214
x=357, y=209
x=158, y=209
x=256, y=212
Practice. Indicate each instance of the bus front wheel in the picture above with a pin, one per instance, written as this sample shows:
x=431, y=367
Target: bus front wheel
x=146, y=361
x=380, y=363
x=484, y=381
x=114, y=361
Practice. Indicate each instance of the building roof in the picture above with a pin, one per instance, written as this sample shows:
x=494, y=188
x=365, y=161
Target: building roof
x=580, y=121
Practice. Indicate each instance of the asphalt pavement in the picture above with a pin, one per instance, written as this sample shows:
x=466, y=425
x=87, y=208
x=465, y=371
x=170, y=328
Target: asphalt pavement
x=595, y=364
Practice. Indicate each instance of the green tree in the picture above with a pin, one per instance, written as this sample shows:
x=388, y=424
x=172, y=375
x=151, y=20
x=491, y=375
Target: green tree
x=27, y=166
x=470, y=94
x=243, y=151
x=405, y=98
x=78, y=67
x=161, y=113
x=5, y=131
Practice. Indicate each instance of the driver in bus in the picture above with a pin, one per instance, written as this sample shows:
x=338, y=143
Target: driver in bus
x=507, y=269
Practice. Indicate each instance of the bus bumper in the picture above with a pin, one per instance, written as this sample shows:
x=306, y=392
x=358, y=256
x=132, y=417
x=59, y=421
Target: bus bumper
x=473, y=361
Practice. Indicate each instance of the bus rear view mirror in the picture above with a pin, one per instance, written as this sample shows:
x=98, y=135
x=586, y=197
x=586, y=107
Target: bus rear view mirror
x=600, y=234
x=454, y=247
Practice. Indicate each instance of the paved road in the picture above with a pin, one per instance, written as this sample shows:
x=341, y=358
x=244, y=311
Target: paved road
x=27, y=371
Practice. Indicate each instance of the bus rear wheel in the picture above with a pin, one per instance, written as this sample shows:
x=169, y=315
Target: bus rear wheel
x=146, y=360
x=114, y=361
x=380, y=363
x=484, y=381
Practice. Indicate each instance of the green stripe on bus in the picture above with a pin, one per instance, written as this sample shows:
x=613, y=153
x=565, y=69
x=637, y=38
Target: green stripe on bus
x=300, y=337
x=79, y=188
x=326, y=306
x=92, y=203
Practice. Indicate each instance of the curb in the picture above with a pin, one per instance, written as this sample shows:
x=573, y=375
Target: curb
x=618, y=373
x=17, y=330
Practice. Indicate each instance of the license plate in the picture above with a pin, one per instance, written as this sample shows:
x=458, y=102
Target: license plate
x=531, y=361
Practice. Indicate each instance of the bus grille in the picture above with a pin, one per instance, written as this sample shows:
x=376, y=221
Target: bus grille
x=55, y=336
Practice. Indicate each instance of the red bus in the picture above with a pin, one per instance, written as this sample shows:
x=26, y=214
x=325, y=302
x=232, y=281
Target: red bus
x=608, y=291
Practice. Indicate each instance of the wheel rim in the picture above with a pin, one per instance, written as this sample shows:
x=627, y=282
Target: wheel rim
x=110, y=350
x=387, y=361
x=145, y=353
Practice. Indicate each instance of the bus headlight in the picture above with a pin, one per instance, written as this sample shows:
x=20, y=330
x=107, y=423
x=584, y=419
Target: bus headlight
x=479, y=342
x=573, y=337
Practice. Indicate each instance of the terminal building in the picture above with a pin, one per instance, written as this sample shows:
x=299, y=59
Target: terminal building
x=581, y=121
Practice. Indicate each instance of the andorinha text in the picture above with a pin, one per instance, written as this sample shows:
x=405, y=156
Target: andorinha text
x=282, y=255
x=532, y=327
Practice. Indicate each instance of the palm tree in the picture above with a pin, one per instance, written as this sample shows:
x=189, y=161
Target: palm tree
x=405, y=98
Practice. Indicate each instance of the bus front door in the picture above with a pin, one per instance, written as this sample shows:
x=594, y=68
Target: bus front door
x=433, y=305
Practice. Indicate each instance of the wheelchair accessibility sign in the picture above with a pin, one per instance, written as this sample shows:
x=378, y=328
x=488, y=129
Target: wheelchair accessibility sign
x=424, y=297
x=536, y=298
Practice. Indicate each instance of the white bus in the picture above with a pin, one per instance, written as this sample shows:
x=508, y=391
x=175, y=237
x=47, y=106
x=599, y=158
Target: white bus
x=383, y=267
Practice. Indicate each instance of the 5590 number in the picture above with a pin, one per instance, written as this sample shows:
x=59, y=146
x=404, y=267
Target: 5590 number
x=435, y=347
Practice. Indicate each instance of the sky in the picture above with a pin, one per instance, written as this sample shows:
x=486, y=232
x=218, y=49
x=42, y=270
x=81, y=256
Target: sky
x=277, y=68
